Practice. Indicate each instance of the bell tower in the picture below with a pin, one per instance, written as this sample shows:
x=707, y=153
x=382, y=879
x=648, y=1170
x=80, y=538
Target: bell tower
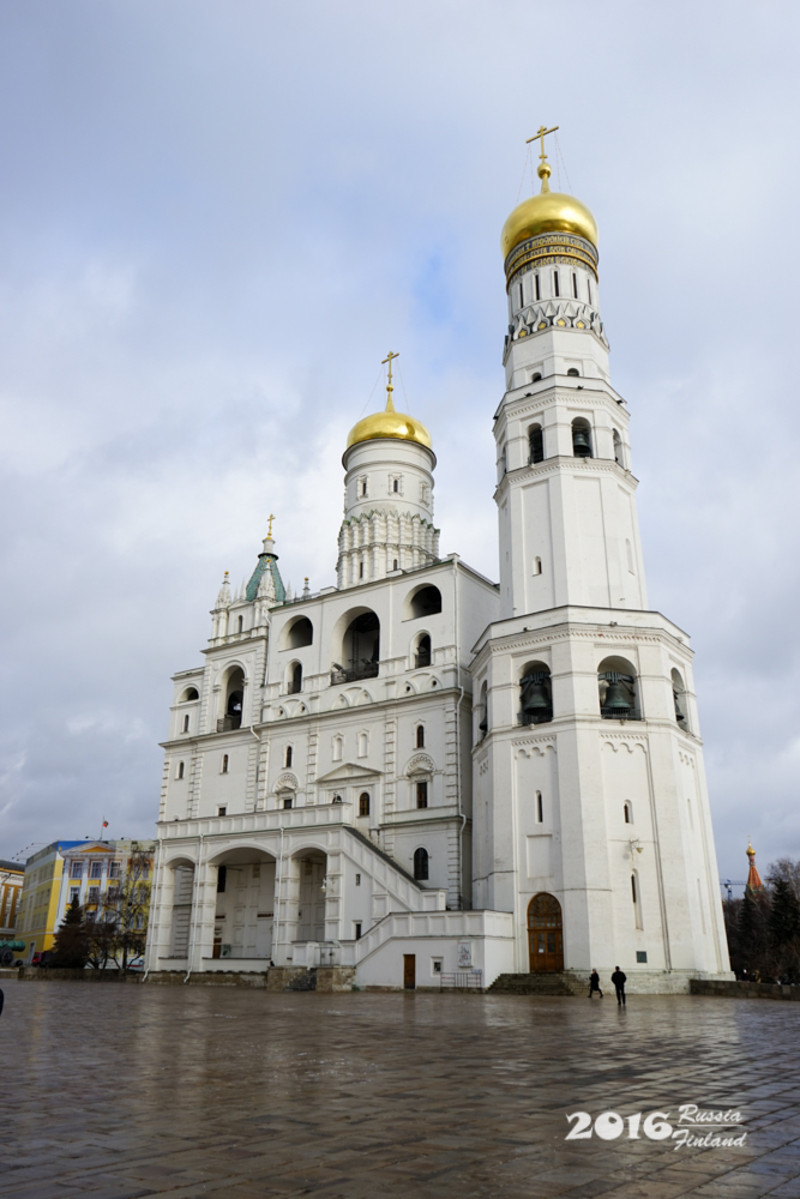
x=591, y=815
x=565, y=491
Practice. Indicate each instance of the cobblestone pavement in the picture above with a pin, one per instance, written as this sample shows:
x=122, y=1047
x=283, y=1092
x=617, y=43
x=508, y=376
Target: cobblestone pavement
x=121, y=1091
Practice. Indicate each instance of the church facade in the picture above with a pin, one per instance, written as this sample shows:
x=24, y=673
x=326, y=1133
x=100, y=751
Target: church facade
x=419, y=776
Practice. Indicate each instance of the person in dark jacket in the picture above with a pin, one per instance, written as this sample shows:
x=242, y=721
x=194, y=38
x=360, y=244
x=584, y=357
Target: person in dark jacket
x=618, y=978
x=594, y=983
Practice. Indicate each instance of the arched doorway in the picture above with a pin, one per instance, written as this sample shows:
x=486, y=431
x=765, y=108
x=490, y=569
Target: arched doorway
x=545, y=941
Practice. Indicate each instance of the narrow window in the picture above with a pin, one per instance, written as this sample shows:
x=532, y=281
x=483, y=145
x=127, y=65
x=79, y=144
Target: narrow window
x=420, y=736
x=539, y=808
x=180, y=770
x=363, y=804
x=338, y=743
x=241, y=623
x=394, y=564
x=224, y=763
x=617, y=448
x=358, y=930
x=589, y=289
x=396, y=486
x=363, y=744
x=422, y=796
x=575, y=285
x=536, y=282
x=361, y=570
x=520, y=295
x=634, y=896
x=362, y=487
x=535, y=444
x=186, y=724
x=288, y=756
x=556, y=292
x=421, y=865
x=626, y=809
x=222, y=878
x=358, y=880
x=537, y=566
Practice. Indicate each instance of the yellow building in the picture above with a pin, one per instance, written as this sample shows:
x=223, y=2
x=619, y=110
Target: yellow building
x=38, y=908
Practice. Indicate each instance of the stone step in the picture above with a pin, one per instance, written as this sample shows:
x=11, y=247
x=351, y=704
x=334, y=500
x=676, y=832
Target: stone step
x=533, y=984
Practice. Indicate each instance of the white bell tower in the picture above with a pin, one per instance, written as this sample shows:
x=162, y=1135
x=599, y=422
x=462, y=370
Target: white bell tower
x=591, y=815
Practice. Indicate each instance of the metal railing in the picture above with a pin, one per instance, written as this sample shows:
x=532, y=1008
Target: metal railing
x=368, y=670
x=462, y=980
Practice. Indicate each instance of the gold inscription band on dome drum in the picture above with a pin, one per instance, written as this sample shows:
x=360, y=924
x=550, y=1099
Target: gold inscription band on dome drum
x=548, y=248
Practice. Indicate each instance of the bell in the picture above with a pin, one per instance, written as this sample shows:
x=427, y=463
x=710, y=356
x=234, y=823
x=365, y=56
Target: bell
x=581, y=446
x=536, y=698
x=617, y=701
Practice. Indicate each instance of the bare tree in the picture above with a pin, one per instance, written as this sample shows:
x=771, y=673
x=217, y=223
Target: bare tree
x=118, y=934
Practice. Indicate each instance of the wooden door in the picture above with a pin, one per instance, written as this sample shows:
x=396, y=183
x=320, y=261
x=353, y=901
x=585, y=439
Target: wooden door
x=409, y=971
x=545, y=937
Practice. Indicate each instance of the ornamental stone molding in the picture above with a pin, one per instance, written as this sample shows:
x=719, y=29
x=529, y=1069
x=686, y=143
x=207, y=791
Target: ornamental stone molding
x=286, y=782
x=420, y=764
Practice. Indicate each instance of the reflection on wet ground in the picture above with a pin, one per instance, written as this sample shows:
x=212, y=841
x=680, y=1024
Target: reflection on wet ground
x=123, y=1091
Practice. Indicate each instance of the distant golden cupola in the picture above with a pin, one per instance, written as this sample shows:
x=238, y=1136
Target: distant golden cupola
x=557, y=225
x=389, y=423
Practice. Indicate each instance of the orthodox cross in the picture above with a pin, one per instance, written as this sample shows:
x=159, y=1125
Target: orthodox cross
x=389, y=388
x=270, y=518
x=541, y=133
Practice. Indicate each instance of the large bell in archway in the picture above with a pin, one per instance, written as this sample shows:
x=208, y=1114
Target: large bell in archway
x=536, y=698
x=617, y=700
x=581, y=446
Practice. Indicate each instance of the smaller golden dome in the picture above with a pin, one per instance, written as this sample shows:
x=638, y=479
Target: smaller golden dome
x=548, y=212
x=392, y=424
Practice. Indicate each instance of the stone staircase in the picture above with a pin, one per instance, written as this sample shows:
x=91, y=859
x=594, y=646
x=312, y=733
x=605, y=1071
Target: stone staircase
x=535, y=984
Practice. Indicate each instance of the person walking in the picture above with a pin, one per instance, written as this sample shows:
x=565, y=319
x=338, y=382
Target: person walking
x=618, y=978
x=594, y=983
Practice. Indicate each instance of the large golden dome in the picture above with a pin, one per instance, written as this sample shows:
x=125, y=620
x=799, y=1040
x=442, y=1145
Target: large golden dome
x=548, y=212
x=389, y=423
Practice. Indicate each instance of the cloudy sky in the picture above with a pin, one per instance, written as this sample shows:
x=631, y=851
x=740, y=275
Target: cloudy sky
x=215, y=220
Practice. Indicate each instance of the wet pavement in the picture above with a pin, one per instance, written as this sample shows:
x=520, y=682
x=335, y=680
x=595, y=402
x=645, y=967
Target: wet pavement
x=121, y=1091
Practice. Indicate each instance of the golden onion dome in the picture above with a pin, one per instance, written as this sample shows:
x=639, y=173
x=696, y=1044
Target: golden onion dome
x=392, y=424
x=548, y=212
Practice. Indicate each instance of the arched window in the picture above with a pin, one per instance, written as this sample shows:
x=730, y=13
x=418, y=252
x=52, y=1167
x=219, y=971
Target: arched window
x=536, y=377
x=539, y=808
x=536, y=694
x=421, y=865
x=573, y=372
x=233, y=702
x=420, y=738
x=483, y=712
x=679, y=700
x=186, y=724
x=363, y=745
x=363, y=804
x=535, y=444
x=287, y=757
x=240, y=625
x=627, y=812
x=581, y=438
x=426, y=601
x=360, y=653
x=299, y=633
x=337, y=745
x=295, y=680
x=224, y=764
x=423, y=654
x=189, y=694
x=618, y=690
x=180, y=770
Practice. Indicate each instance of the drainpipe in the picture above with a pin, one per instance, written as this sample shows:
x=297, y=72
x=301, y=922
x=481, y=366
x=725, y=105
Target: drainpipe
x=258, y=766
x=195, y=889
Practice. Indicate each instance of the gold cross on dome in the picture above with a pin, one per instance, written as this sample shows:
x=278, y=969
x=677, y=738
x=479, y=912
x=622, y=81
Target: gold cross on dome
x=389, y=388
x=270, y=518
x=541, y=133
